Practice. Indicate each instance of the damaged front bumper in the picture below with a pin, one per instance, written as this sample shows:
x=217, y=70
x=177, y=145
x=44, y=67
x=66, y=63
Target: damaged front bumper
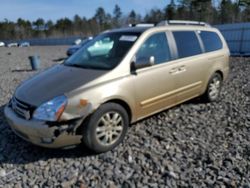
x=41, y=133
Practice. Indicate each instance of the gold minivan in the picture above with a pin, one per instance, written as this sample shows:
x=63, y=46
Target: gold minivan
x=118, y=78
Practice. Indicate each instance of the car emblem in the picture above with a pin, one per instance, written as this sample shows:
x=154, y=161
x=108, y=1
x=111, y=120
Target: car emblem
x=27, y=115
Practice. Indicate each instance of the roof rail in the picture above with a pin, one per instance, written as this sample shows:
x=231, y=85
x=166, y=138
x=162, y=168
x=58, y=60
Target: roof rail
x=142, y=25
x=182, y=22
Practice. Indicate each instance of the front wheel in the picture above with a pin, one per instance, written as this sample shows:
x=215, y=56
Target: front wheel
x=106, y=128
x=214, y=88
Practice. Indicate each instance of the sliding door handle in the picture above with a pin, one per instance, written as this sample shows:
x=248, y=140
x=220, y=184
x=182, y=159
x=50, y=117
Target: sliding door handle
x=173, y=70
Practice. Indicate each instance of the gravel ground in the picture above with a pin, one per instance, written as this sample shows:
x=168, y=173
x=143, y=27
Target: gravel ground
x=192, y=145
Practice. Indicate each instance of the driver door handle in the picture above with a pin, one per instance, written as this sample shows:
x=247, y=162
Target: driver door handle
x=173, y=70
x=178, y=69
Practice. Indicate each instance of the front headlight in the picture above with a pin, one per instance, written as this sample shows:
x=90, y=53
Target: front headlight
x=51, y=110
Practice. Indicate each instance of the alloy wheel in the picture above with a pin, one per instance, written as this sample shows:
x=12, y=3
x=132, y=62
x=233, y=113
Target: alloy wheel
x=214, y=88
x=109, y=128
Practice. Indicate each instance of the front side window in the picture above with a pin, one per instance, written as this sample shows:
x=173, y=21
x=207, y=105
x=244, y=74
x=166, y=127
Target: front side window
x=156, y=46
x=210, y=40
x=103, y=52
x=187, y=43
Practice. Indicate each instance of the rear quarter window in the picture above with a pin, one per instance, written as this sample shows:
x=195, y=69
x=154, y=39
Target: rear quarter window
x=187, y=43
x=211, y=41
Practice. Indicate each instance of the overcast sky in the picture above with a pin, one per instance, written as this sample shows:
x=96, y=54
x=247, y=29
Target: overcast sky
x=55, y=9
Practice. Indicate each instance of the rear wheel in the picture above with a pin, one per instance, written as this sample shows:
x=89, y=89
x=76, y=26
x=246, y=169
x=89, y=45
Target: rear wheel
x=106, y=128
x=214, y=88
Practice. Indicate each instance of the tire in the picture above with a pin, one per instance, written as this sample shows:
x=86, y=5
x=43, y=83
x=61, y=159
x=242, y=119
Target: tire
x=106, y=128
x=213, y=90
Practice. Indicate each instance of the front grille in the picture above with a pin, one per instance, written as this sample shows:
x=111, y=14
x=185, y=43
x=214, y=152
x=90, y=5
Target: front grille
x=22, y=109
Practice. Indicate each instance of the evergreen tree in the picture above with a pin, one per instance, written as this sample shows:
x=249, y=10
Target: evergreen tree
x=170, y=11
x=226, y=11
x=100, y=17
x=223, y=11
x=132, y=17
x=117, y=14
x=155, y=16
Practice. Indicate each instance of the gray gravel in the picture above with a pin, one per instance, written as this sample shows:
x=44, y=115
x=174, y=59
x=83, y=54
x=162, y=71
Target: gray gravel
x=192, y=145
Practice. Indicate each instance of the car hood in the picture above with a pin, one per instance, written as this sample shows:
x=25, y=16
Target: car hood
x=54, y=82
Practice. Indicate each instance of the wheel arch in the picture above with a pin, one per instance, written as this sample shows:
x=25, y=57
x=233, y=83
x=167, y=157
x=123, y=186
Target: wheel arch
x=124, y=104
x=220, y=73
x=117, y=101
x=208, y=79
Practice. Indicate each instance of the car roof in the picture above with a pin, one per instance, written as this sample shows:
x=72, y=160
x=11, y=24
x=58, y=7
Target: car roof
x=131, y=29
x=155, y=28
x=165, y=24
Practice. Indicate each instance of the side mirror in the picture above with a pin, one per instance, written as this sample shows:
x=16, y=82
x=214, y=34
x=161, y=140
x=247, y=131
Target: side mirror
x=142, y=62
x=152, y=60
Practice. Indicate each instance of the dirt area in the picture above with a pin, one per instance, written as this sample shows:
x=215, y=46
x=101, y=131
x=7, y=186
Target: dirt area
x=192, y=145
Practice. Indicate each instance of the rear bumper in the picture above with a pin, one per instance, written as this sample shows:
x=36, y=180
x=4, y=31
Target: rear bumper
x=40, y=133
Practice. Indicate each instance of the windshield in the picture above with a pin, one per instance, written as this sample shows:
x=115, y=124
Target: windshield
x=103, y=52
x=85, y=41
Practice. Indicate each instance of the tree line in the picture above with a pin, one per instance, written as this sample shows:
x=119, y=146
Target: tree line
x=211, y=11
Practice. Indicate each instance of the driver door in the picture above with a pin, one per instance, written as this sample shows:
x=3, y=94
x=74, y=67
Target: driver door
x=155, y=86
